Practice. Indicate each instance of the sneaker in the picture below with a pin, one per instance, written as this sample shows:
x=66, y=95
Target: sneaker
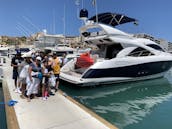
x=44, y=98
x=51, y=93
x=16, y=90
x=56, y=89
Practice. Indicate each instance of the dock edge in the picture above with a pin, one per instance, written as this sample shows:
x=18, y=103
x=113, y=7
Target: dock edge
x=12, y=122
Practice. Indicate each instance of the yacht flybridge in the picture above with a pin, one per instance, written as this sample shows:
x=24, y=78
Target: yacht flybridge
x=120, y=57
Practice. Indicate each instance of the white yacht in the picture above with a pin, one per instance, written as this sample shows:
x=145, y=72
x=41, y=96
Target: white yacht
x=4, y=49
x=60, y=49
x=120, y=57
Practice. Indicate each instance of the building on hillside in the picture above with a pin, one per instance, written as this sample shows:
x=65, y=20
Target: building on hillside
x=0, y=39
x=42, y=39
x=46, y=40
x=163, y=43
x=170, y=47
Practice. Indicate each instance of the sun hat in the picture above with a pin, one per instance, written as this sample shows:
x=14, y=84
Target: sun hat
x=38, y=58
x=28, y=54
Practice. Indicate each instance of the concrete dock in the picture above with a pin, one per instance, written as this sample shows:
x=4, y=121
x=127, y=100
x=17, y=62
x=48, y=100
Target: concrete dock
x=58, y=112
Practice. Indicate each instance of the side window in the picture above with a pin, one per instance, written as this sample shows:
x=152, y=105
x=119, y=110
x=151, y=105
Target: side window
x=140, y=52
x=155, y=47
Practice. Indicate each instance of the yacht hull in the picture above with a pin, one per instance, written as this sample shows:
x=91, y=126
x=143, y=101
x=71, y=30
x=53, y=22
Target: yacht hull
x=138, y=72
x=105, y=81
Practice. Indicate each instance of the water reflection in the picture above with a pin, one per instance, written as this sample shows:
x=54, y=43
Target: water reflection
x=2, y=110
x=123, y=104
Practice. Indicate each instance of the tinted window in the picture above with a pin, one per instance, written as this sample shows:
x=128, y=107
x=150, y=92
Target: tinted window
x=140, y=52
x=155, y=47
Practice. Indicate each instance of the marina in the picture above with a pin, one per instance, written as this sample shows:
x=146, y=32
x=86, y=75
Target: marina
x=82, y=65
x=132, y=105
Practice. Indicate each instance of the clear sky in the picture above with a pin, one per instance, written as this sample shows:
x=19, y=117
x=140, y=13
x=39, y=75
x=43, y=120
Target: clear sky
x=25, y=17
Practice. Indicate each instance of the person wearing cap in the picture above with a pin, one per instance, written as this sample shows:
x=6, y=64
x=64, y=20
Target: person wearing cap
x=24, y=73
x=15, y=63
x=20, y=67
x=56, y=69
x=35, y=72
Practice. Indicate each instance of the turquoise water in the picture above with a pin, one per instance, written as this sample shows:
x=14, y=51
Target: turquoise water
x=2, y=111
x=139, y=105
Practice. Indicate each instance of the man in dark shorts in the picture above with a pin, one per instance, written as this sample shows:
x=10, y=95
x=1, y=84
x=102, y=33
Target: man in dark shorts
x=15, y=62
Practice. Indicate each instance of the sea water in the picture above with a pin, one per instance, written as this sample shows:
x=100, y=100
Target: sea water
x=2, y=110
x=136, y=105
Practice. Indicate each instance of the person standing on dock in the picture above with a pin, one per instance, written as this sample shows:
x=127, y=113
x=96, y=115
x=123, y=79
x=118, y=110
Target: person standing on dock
x=35, y=77
x=24, y=74
x=56, y=69
x=15, y=63
x=47, y=71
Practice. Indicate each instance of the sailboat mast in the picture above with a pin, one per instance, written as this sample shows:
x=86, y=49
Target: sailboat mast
x=54, y=26
x=96, y=12
x=82, y=4
x=77, y=3
x=64, y=26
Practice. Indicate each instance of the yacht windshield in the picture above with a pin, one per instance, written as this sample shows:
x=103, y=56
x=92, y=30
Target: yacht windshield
x=155, y=47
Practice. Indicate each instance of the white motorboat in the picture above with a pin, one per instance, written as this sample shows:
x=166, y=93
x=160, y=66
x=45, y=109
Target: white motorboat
x=121, y=57
x=4, y=49
x=60, y=49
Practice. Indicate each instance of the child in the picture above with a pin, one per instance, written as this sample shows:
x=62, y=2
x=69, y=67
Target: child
x=45, y=81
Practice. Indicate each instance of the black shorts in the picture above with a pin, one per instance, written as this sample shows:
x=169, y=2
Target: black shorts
x=57, y=77
x=45, y=81
x=15, y=74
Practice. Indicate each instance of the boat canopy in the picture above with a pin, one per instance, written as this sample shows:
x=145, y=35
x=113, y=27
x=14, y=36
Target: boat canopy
x=112, y=19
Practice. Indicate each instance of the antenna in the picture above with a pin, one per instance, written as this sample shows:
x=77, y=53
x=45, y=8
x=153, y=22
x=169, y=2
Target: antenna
x=83, y=15
x=77, y=3
x=54, y=26
x=82, y=4
x=64, y=26
x=94, y=2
